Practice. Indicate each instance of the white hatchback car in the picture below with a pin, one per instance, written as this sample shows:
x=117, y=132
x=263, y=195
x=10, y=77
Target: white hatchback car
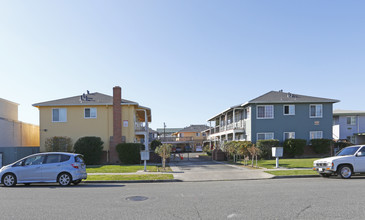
x=50, y=167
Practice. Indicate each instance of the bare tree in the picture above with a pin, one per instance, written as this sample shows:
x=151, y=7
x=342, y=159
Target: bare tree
x=254, y=151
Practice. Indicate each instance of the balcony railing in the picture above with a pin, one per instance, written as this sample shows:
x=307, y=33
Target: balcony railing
x=180, y=139
x=239, y=125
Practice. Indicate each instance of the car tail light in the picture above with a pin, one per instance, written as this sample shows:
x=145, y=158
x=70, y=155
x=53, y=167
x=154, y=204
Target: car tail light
x=75, y=166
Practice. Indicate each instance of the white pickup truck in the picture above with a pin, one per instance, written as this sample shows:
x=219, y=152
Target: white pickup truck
x=349, y=161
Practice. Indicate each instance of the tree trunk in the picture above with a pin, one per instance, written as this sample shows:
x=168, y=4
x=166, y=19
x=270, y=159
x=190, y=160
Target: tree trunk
x=163, y=163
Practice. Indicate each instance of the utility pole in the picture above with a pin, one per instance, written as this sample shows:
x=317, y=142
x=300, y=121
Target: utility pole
x=164, y=132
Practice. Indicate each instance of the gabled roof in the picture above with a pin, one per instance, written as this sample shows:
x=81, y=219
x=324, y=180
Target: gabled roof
x=168, y=130
x=88, y=99
x=340, y=112
x=287, y=97
x=279, y=97
x=194, y=128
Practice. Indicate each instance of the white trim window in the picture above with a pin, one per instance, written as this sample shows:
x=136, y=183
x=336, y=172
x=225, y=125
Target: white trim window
x=59, y=115
x=289, y=109
x=265, y=136
x=265, y=111
x=289, y=135
x=315, y=135
x=90, y=113
x=315, y=110
x=351, y=120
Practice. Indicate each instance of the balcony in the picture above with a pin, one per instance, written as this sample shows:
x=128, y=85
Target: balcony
x=181, y=139
x=239, y=126
x=140, y=128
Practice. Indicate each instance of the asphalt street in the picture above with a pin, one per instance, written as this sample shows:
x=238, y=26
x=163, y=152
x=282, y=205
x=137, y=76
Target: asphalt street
x=305, y=198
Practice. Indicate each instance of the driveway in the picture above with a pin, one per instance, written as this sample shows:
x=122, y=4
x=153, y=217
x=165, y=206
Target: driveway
x=193, y=168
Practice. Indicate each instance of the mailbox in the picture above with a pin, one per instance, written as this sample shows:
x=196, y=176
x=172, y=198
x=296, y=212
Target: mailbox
x=145, y=155
x=277, y=152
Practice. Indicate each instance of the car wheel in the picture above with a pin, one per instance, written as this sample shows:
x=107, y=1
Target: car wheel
x=76, y=182
x=325, y=174
x=64, y=179
x=9, y=180
x=345, y=171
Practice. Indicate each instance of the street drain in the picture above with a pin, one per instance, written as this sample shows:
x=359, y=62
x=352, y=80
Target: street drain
x=137, y=198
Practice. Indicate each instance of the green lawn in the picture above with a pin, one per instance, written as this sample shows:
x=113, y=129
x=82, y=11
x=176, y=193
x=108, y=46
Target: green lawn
x=288, y=163
x=122, y=168
x=292, y=172
x=130, y=177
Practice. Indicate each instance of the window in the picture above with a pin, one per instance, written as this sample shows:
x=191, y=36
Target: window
x=181, y=135
x=315, y=135
x=198, y=134
x=265, y=111
x=36, y=160
x=351, y=120
x=265, y=136
x=53, y=158
x=90, y=113
x=352, y=139
x=289, y=135
x=289, y=109
x=59, y=115
x=315, y=111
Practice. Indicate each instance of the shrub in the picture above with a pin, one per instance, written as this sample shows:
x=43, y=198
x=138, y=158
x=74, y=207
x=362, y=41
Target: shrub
x=341, y=145
x=164, y=151
x=91, y=148
x=58, y=144
x=321, y=146
x=265, y=147
x=155, y=143
x=294, y=147
x=129, y=153
x=207, y=149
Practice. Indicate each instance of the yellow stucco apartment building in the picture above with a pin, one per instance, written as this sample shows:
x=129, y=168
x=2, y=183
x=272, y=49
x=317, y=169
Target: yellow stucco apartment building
x=113, y=119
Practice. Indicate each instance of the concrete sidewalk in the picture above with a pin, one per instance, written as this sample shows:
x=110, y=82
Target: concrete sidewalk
x=191, y=171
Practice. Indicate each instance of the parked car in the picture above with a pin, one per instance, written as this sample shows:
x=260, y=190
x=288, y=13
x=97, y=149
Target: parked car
x=64, y=168
x=199, y=149
x=350, y=160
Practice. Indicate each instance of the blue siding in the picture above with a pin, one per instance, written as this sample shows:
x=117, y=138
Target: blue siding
x=300, y=123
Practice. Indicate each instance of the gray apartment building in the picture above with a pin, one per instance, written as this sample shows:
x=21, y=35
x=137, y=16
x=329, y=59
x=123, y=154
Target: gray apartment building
x=274, y=115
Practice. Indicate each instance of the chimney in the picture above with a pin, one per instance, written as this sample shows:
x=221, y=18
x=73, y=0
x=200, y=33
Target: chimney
x=117, y=123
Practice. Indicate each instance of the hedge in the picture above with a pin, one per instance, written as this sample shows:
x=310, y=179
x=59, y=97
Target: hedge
x=321, y=146
x=91, y=147
x=294, y=147
x=265, y=147
x=129, y=153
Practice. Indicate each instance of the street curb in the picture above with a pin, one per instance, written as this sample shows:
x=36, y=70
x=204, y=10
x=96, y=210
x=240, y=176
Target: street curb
x=180, y=181
x=131, y=181
x=294, y=176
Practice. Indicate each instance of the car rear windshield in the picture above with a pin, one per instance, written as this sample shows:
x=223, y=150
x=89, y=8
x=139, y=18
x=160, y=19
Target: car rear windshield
x=79, y=159
x=348, y=151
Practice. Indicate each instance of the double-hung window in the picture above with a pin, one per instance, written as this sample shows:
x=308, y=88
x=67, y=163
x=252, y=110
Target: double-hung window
x=315, y=135
x=289, y=109
x=90, y=113
x=315, y=111
x=289, y=135
x=59, y=115
x=351, y=120
x=265, y=136
x=265, y=111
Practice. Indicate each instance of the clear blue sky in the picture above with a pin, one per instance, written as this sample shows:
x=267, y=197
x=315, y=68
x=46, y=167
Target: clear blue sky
x=185, y=59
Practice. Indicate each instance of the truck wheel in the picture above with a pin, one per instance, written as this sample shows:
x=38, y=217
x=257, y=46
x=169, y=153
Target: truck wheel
x=345, y=171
